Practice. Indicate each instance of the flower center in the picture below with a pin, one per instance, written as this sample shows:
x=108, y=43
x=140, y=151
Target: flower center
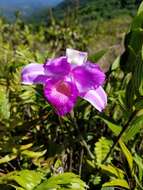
x=64, y=88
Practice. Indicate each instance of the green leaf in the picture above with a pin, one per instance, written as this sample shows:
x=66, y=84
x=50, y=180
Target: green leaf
x=130, y=92
x=117, y=183
x=137, y=35
x=140, y=9
x=116, y=129
x=95, y=180
x=139, y=183
x=26, y=146
x=137, y=22
x=127, y=154
x=27, y=179
x=4, y=103
x=133, y=47
x=33, y=154
x=101, y=149
x=139, y=161
x=7, y=158
x=98, y=55
x=91, y=163
x=65, y=181
x=113, y=170
x=138, y=73
x=134, y=128
x=116, y=64
x=139, y=103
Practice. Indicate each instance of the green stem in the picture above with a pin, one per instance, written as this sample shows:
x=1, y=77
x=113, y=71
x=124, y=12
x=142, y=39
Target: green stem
x=83, y=142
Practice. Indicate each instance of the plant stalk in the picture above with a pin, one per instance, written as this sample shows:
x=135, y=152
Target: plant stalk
x=119, y=136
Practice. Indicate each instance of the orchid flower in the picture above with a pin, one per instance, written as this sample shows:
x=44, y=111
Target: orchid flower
x=66, y=78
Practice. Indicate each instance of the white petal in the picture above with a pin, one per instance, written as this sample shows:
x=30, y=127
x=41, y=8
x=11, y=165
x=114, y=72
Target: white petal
x=97, y=98
x=76, y=57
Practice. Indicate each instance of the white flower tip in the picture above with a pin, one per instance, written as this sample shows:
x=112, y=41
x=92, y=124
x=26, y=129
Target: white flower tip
x=76, y=57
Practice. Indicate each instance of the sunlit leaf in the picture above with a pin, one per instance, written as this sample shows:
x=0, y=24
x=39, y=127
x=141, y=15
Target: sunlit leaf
x=4, y=103
x=116, y=64
x=63, y=181
x=26, y=146
x=33, y=154
x=27, y=179
x=127, y=154
x=134, y=128
x=117, y=183
x=113, y=170
x=7, y=158
x=139, y=161
x=140, y=10
x=116, y=129
x=101, y=149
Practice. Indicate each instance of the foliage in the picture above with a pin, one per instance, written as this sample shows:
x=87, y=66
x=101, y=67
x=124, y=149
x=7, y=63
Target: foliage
x=38, y=149
x=32, y=180
x=99, y=9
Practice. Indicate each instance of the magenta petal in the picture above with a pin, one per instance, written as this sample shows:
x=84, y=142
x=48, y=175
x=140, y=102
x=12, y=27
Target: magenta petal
x=97, y=98
x=57, y=67
x=89, y=76
x=33, y=74
x=76, y=57
x=61, y=94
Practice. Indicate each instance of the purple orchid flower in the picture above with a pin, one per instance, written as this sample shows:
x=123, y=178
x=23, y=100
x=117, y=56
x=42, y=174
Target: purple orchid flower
x=67, y=78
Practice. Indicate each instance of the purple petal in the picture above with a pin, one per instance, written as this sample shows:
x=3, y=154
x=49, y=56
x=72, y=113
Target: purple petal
x=61, y=94
x=33, y=74
x=76, y=57
x=88, y=76
x=57, y=67
x=97, y=98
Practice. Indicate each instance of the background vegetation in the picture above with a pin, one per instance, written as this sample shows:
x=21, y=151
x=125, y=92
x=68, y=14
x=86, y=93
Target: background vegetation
x=85, y=149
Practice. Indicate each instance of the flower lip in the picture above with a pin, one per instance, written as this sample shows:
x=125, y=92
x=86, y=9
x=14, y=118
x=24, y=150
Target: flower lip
x=61, y=94
x=64, y=88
